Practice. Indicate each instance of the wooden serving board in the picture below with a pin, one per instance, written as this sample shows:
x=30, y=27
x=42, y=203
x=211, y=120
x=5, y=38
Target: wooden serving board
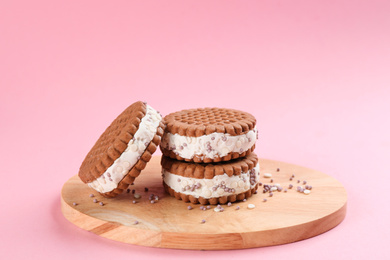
x=284, y=218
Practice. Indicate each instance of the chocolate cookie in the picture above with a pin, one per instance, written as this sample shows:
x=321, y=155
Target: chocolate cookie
x=212, y=183
x=209, y=135
x=122, y=151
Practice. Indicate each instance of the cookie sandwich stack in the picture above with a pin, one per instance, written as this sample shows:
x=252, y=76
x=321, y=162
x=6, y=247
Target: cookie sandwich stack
x=208, y=155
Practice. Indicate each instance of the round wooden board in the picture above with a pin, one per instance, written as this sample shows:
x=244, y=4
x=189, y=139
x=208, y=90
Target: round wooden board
x=286, y=217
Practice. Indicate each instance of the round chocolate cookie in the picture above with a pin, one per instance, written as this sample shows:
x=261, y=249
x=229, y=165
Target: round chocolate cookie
x=212, y=183
x=209, y=135
x=122, y=151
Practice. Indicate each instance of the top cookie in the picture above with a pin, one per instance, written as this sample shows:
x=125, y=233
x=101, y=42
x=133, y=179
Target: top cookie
x=209, y=134
x=123, y=150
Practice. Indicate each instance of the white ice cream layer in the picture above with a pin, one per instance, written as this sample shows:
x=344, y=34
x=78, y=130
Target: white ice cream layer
x=220, y=185
x=209, y=146
x=109, y=180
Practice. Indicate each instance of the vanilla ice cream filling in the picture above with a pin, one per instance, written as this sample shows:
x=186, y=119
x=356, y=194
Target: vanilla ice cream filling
x=218, y=186
x=109, y=180
x=209, y=146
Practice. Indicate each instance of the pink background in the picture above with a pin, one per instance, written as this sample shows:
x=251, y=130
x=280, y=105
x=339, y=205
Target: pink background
x=314, y=73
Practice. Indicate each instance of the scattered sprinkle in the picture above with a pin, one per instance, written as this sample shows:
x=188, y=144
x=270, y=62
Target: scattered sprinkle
x=189, y=208
x=132, y=183
x=229, y=204
x=74, y=204
x=134, y=202
x=244, y=200
x=274, y=188
x=146, y=189
x=271, y=194
x=264, y=200
x=238, y=207
x=285, y=190
x=272, y=180
x=203, y=221
x=307, y=192
x=298, y=181
x=290, y=186
x=94, y=200
x=277, y=169
x=217, y=209
x=251, y=206
x=136, y=222
x=91, y=195
x=133, y=191
x=137, y=196
x=152, y=201
x=304, y=182
x=101, y=203
x=208, y=207
x=267, y=175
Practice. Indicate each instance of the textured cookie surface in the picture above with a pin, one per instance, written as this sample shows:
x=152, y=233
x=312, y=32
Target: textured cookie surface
x=209, y=170
x=209, y=135
x=114, y=143
x=211, y=183
x=202, y=121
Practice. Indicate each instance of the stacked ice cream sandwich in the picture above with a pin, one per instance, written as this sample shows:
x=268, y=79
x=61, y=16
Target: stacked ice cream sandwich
x=208, y=155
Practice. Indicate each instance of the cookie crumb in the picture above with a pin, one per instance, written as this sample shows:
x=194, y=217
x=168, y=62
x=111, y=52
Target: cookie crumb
x=251, y=206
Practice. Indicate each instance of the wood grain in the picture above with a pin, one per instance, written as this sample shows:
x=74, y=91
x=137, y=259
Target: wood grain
x=284, y=218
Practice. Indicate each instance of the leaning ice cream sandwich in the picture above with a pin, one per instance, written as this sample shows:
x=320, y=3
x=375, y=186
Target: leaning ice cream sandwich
x=122, y=151
x=209, y=135
x=212, y=183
